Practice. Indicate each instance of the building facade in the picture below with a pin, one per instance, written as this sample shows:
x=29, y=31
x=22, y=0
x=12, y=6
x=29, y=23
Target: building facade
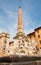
x=35, y=37
x=4, y=43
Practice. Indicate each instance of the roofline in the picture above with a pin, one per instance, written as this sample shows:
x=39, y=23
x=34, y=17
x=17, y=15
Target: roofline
x=37, y=28
x=30, y=33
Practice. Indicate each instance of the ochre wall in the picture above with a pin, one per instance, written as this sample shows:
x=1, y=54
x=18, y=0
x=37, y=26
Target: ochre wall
x=38, y=37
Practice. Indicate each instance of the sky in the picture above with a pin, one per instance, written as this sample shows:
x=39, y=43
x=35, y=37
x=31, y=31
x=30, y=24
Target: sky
x=31, y=15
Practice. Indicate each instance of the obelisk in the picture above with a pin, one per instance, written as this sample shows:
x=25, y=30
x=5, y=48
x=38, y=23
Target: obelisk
x=20, y=24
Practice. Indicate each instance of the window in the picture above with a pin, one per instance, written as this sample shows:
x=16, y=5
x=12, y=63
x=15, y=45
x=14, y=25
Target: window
x=3, y=51
x=19, y=41
x=4, y=47
x=34, y=35
x=8, y=51
x=37, y=48
x=23, y=41
x=38, y=36
x=37, y=31
x=26, y=40
x=0, y=37
x=40, y=41
x=30, y=36
x=40, y=47
x=23, y=44
x=5, y=41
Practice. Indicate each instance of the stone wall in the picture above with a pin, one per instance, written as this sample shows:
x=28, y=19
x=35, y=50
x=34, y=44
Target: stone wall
x=20, y=59
x=23, y=63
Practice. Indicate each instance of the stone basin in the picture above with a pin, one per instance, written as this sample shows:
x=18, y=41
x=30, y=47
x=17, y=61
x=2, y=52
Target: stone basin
x=16, y=58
